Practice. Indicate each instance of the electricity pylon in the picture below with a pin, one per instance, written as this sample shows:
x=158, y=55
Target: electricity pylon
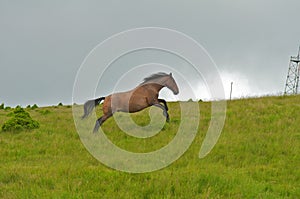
x=292, y=80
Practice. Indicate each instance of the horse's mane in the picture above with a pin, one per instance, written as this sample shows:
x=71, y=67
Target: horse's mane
x=154, y=77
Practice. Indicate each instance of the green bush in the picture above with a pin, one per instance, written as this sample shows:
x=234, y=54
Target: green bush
x=28, y=106
x=7, y=108
x=2, y=106
x=34, y=106
x=60, y=104
x=20, y=120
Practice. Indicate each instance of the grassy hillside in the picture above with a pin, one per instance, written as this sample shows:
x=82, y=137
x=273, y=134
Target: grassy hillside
x=257, y=156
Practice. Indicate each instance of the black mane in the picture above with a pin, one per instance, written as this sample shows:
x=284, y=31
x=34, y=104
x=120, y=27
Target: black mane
x=154, y=76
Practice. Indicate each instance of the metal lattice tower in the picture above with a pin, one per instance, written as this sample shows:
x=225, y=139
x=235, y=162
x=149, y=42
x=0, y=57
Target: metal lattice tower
x=292, y=80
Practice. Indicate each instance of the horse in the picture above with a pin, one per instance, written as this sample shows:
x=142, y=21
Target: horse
x=137, y=99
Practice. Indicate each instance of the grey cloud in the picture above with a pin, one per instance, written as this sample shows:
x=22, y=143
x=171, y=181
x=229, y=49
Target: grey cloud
x=43, y=43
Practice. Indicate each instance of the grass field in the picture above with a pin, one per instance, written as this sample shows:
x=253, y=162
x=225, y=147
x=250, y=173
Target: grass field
x=257, y=156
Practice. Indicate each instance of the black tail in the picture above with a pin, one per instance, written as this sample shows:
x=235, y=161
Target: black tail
x=90, y=105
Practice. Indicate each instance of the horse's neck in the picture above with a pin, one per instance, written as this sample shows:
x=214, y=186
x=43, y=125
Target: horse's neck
x=153, y=86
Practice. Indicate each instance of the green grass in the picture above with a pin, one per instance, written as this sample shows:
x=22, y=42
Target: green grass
x=257, y=156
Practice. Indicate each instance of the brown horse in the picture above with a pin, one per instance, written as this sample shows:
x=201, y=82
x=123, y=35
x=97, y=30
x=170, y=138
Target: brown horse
x=137, y=99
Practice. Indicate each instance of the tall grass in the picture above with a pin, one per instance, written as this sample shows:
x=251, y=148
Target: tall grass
x=257, y=156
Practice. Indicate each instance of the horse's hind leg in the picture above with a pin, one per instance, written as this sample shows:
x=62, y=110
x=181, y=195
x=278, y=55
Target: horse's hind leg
x=100, y=121
x=165, y=112
x=98, y=124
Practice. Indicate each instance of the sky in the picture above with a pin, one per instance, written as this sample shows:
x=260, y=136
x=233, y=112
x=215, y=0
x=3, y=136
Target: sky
x=44, y=43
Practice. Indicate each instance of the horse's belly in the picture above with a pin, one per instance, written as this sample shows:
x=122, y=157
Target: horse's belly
x=128, y=103
x=135, y=108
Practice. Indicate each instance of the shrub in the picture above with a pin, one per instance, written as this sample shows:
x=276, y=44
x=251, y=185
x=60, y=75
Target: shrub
x=7, y=108
x=28, y=106
x=20, y=120
x=34, y=106
x=60, y=104
x=2, y=106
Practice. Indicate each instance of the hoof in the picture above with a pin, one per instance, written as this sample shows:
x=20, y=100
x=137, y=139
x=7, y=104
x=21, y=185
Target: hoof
x=97, y=125
x=95, y=131
x=168, y=119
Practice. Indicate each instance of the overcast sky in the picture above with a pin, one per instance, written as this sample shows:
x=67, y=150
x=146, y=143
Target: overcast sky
x=43, y=43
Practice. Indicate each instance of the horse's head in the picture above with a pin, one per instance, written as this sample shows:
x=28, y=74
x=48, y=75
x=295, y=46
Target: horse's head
x=171, y=84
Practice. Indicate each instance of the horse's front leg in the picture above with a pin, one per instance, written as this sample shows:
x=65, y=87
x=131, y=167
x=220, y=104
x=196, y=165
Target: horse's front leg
x=165, y=112
x=164, y=102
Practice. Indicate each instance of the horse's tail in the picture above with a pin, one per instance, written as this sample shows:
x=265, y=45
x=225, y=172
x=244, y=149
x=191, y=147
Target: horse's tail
x=90, y=105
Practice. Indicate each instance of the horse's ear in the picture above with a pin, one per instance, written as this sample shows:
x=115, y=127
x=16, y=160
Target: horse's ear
x=171, y=74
